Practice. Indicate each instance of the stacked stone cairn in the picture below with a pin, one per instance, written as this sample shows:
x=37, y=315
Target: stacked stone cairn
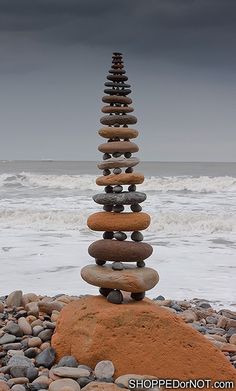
x=110, y=273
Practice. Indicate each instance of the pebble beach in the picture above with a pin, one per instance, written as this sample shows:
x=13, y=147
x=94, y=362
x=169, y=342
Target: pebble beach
x=28, y=362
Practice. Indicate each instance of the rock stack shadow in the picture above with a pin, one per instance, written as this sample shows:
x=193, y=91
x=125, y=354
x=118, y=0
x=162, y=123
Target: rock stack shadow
x=120, y=256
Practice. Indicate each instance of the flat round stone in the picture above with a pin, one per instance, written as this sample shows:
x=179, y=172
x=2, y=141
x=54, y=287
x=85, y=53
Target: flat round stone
x=118, y=146
x=133, y=178
x=118, y=162
x=118, y=132
x=130, y=279
x=117, y=71
x=124, y=198
x=120, y=251
x=117, y=99
x=118, y=119
x=121, y=92
x=117, y=77
x=125, y=221
x=115, y=109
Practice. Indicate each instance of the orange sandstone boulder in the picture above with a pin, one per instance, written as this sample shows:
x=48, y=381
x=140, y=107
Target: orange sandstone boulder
x=138, y=337
x=126, y=221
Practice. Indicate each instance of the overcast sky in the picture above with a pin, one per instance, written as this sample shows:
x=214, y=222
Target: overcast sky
x=179, y=56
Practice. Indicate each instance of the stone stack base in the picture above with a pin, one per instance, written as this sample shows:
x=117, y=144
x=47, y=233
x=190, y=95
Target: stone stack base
x=138, y=337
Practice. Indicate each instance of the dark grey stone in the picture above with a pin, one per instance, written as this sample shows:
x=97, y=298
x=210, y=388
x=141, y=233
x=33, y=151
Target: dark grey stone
x=132, y=188
x=83, y=381
x=45, y=335
x=18, y=371
x=117, y=171
x=20, y=361
x=160, y=297
x=108, y=235
x=176, y=307
x=31, y=352
x=136, y=208
x=13, y=346
x=37, y=387
x=204, y=304
x=141, y=264
x=118, y=208
x=120, y=235
x=117, y=189
x=7, y=338
x=137, y=236
x=138, y=296
x=124, y=198
x=108, y=189
x=115, y=297
x=100, y=262
x=105, y=291
x=106, y=156
x=117, y=266
x=68, y=361
x=46, y=358
x=107, y=208
x=14, y=329
x=32, y=373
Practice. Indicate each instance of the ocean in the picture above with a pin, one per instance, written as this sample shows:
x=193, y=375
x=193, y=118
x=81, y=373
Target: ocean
x=44, y=206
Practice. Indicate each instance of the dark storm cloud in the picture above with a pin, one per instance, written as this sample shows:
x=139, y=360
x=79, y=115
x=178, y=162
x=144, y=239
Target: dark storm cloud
x=156, y=27
x=90, y=20
x=180, y=56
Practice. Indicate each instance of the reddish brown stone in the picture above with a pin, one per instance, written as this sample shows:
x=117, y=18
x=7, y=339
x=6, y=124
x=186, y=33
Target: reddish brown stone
x=118, y=132
x=117, y=99
x=125, y=221
x=130, y=279
x=115, y=109
x=120, y=251
x=138, y=337
x=118, y=146
x=120, y=179
x=118, y=119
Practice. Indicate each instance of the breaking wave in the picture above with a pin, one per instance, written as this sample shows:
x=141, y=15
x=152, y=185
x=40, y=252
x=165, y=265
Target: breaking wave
x=189, y=223
x=202, y=184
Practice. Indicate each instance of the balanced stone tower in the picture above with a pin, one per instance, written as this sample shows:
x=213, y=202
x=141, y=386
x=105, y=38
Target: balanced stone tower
x=119, y=260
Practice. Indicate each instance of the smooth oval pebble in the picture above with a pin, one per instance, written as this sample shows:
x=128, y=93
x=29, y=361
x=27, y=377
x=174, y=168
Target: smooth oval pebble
x=71, y=372
x=130, y=279
x=118, y=146
x=4, y=386
x=118, y=132
x=16, y=387
x=24, y=326
x=124, y=198
x=117, y=109
x=117, y=99
x=104, y=369
x=34, y=342
x=120, y=251
x=118, y=119
x=115, y=84
x=59, y=384
x=109, y=221
x=120, y=179
x=122, y=92
x=117, y=78
x=117, y=71
x=118, y=162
